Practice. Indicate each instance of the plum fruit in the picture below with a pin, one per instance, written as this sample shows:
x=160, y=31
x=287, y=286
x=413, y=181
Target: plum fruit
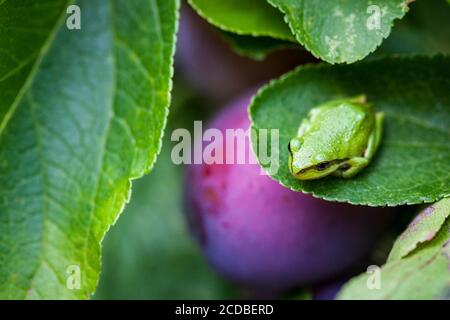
x=208, y=63
x=259, y=234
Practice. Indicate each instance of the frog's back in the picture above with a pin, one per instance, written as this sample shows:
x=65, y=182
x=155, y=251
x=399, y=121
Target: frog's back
x=340, y=129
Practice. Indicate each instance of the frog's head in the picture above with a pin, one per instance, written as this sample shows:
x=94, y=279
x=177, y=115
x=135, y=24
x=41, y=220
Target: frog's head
x=304, y=166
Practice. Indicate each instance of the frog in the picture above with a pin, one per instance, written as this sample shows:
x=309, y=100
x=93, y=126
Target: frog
x=338, y=138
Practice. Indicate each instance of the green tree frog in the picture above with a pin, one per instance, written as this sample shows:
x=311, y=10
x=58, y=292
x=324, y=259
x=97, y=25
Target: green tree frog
x=338, y=138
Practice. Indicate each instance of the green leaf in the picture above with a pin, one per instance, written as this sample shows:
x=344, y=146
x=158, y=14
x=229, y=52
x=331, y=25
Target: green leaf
x=22, y=49
x=88, y=118
x=424, y=274
x=423, y=229
x=424, y=30
x=341, y=31
x=257, y=48
x=249, y=17
x=413, y=163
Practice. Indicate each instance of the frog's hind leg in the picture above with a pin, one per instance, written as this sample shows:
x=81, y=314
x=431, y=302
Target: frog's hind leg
x=351, y=167
x=375, y=137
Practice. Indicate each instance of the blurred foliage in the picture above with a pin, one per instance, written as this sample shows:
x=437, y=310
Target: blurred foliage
x=149, y=253
x=424, y=30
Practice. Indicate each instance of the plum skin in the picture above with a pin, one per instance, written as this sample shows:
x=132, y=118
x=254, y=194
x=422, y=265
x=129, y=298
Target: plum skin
x=257, y=233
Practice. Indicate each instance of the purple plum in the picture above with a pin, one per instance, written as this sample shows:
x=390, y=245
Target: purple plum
x=210, y=65
x=259, y=234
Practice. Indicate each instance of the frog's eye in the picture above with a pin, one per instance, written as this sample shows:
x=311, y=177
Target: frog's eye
x=322, y=166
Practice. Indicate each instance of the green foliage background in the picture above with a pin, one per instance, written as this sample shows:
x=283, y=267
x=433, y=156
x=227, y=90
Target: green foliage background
x=150, y=253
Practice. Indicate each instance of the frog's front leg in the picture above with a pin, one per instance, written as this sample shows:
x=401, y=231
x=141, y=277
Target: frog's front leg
x=375, y=137
x=351, y=167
